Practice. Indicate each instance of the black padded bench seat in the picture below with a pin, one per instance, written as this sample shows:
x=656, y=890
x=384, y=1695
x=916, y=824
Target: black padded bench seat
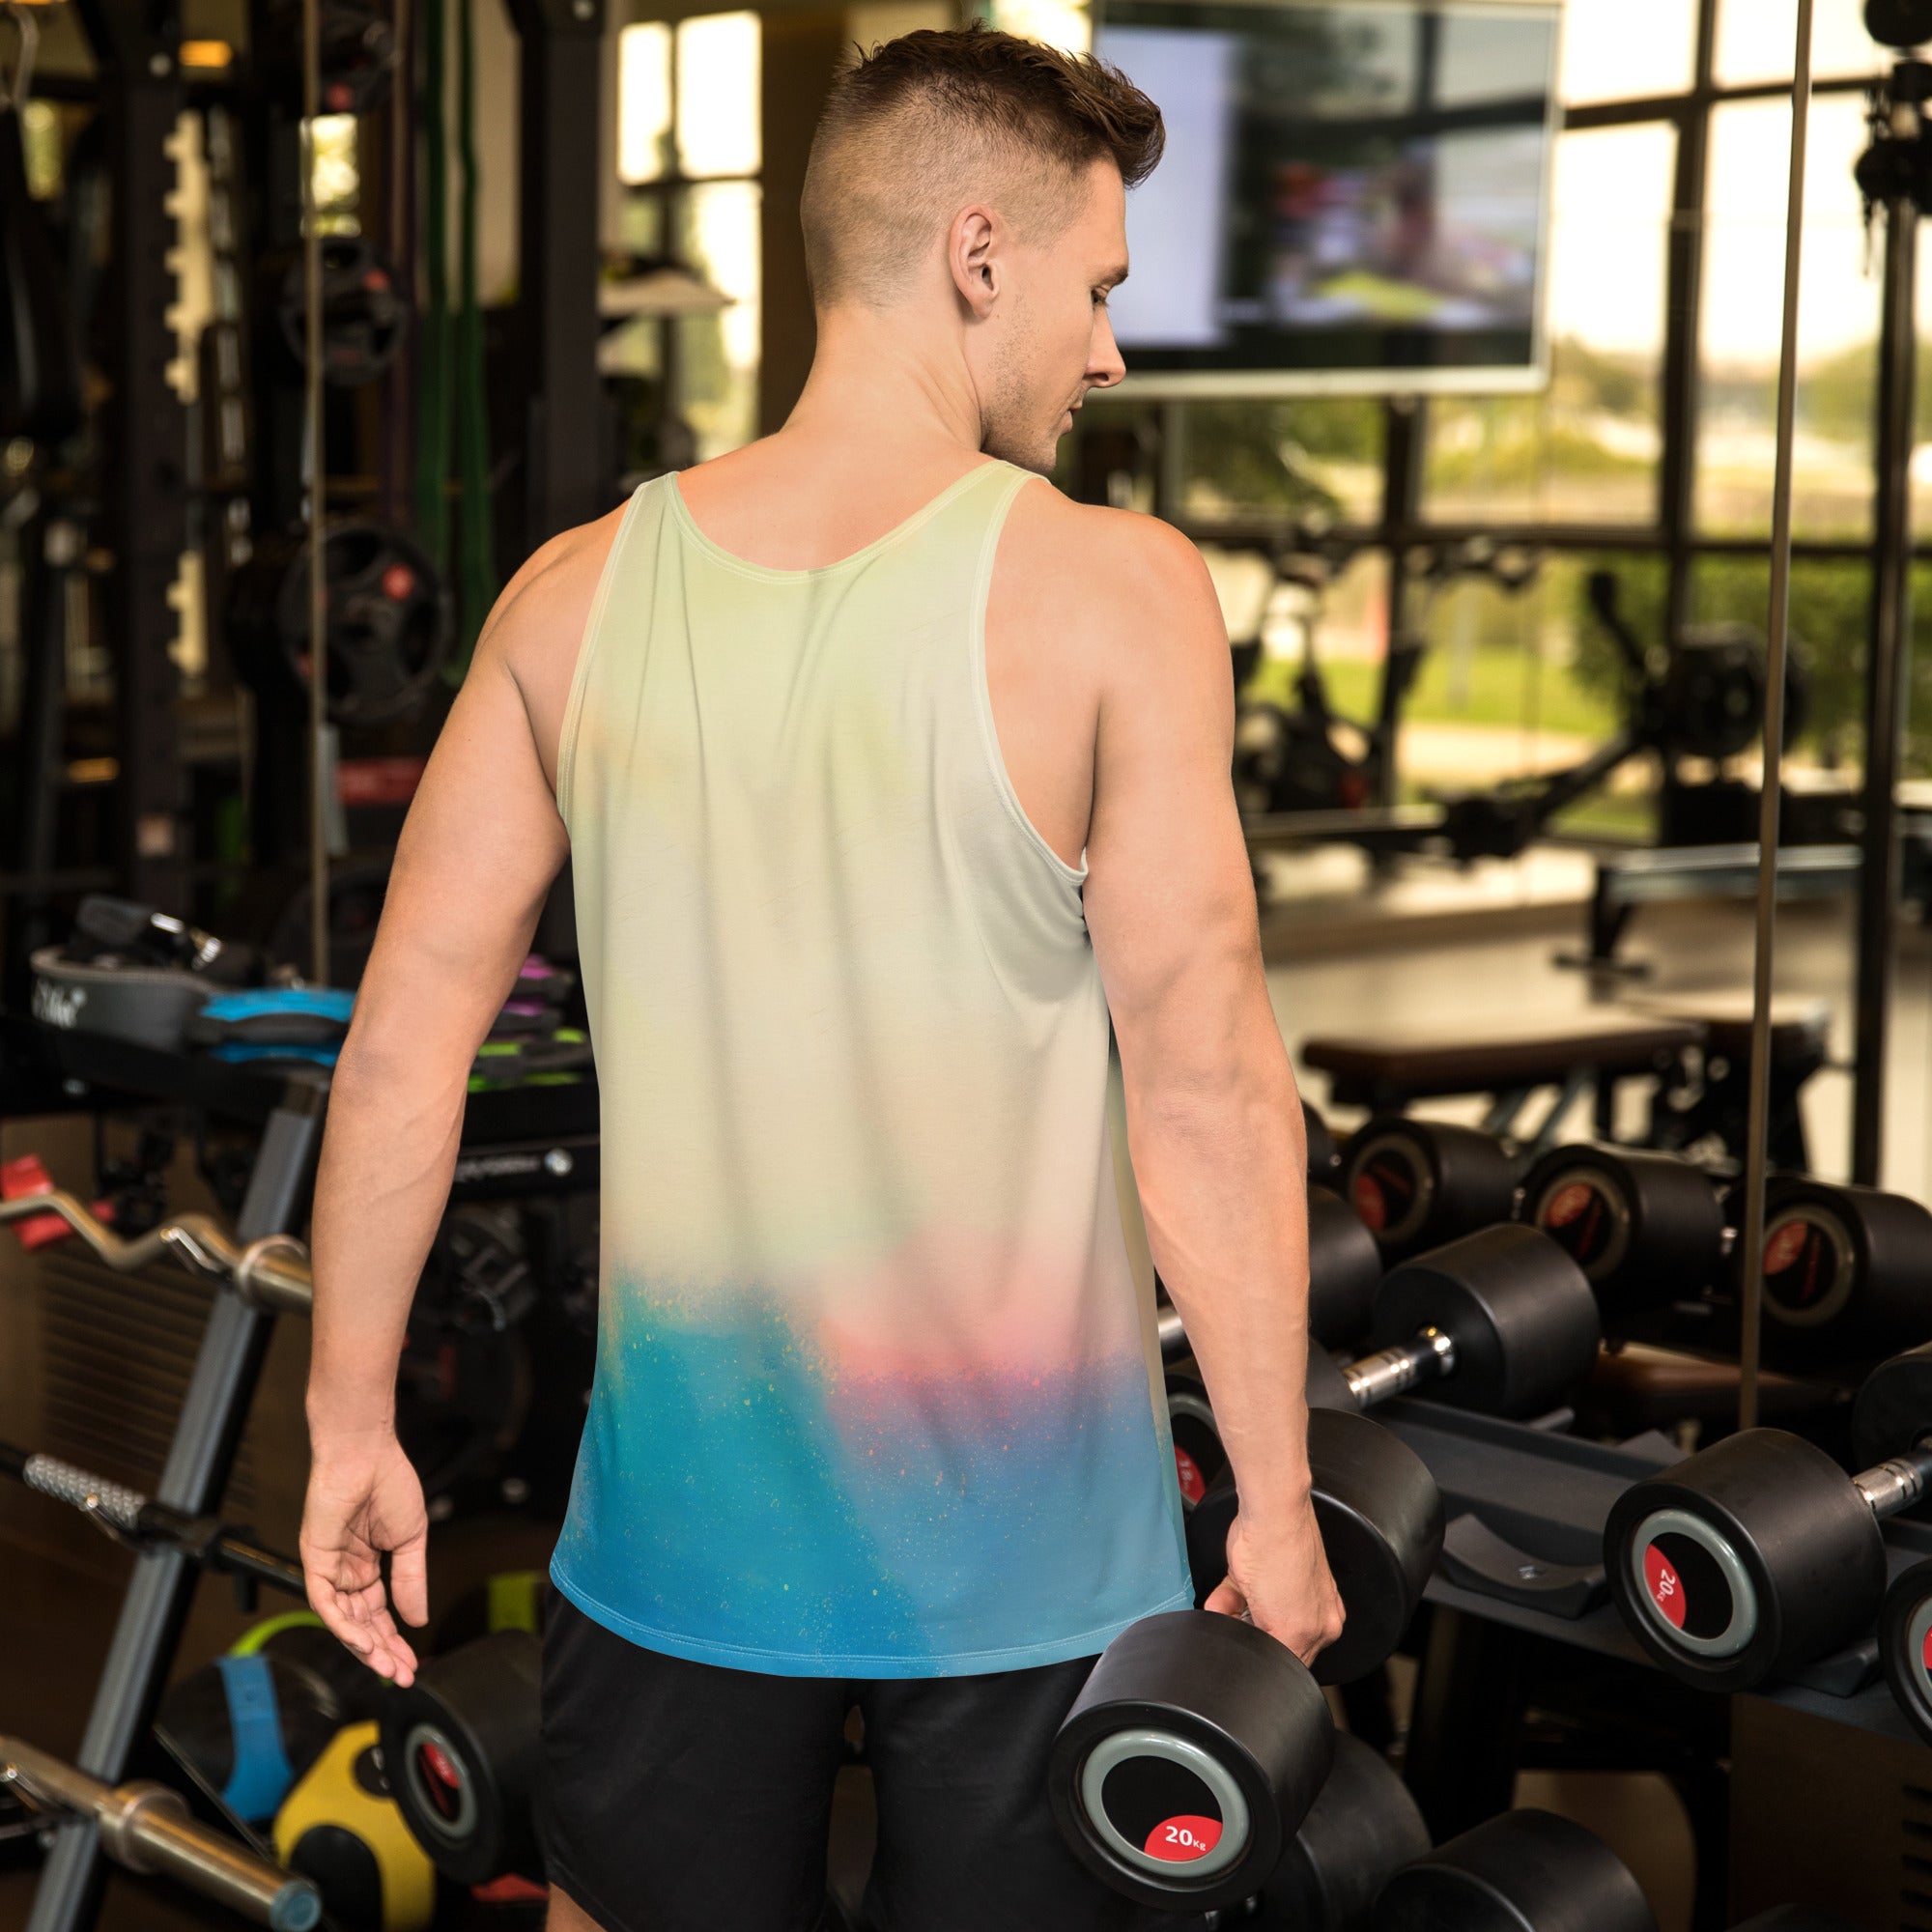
x=1800, y=1026
x=1384, y=1071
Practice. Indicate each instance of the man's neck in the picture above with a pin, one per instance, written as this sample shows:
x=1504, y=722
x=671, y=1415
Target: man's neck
x=894, y=383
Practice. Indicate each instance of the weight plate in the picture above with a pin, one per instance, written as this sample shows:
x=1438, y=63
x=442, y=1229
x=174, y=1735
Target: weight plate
x=1810, y=1267
x=363, y=315
x=1392, y=1187
x=1198, y=1455
x=1583, y=1210
x=387, y=619
x=1159, y=1801
x=1905, y=1645
x=1693, y=1585
x=1231, y=1693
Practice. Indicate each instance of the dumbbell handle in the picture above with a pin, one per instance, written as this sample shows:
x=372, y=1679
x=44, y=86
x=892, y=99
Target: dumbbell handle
x=1377, y=1377
x=1893, y=1487
x=1373, y=1380
x=1173, y=1335
x=147, y=1828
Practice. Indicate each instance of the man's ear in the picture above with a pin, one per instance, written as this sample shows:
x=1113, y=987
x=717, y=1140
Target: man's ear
x=973, y=255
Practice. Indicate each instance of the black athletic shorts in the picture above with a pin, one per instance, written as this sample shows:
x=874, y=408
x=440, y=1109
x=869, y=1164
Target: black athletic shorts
x=687, y=1798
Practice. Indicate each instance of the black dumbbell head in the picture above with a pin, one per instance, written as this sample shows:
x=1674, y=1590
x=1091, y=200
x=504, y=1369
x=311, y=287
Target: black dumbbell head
x=1324, y=1163
x=1381, y=1517
x=1418, y=1183
x=1525, y=1871
x=1647, y=1229
x=1894, y=1410
x=1518, y=1310
x=1750, y=1558
x=1189, y=1760
x=1198, y=1455
x=1905, y=1644
x=1362, y=1829
x=1327, y=1385
x=1345, y=1268
x=464, y=1755
x=1847, y=1273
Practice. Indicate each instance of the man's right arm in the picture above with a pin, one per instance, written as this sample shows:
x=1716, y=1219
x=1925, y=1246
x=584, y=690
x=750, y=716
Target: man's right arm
x=1213, y=1122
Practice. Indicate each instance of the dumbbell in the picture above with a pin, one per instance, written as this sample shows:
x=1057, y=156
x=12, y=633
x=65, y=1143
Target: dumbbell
x=1759, y=1554
x=1905, y=1644
x=1345, y=1268
x=1647, y=1228
x=1418, y=1183
x=1325, y=1162
x=1847, y=1272
x=1524, y=1871
x=464, y=1755
x=1362, y=1830
x=1501, y=1321
x=1198, y=1743
x=1381, y=1517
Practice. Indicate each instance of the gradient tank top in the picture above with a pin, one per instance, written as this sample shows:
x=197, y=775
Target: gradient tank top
x=878, y=1392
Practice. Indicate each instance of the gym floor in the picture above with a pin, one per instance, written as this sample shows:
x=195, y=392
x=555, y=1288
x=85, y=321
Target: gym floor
x=1337, y=964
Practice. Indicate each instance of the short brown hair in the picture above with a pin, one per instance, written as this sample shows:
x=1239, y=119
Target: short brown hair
x=926, y=117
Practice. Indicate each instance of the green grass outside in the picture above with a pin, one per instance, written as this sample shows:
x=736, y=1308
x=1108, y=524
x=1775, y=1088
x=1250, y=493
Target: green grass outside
x=1499, y=691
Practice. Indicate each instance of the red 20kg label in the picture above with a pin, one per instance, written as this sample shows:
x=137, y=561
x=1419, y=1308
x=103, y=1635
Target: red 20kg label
x=1666, y=1587
x=1178, y=1841
x=1193, y=1486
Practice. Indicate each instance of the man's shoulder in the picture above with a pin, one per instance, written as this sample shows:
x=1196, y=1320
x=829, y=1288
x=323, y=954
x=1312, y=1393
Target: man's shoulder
x=543, y=609
x=1122, y=580
x=1132, y=551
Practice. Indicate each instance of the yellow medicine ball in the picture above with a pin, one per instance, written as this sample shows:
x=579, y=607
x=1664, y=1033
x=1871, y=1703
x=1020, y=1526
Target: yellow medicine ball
x=340, y=1827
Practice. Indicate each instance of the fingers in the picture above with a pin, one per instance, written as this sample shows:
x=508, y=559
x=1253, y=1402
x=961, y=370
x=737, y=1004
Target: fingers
x=409, y=1580
x=357, y=1614
x=1225, y=1598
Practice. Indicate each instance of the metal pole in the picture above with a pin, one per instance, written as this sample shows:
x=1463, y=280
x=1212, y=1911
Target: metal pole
x=1885, y=682
x=1777, y=655
x=318, y=764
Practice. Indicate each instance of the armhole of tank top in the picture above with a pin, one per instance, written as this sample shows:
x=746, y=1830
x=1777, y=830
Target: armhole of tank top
x=580, y=677
x=1073, y=877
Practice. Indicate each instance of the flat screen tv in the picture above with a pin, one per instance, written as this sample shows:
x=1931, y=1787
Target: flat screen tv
x=1356, y=194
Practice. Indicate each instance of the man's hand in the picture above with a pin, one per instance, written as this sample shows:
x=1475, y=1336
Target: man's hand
x=364, y=1499
x=1278, y=1575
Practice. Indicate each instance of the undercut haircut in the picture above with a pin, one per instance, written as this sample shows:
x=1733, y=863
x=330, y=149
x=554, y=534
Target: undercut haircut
x=927, y=123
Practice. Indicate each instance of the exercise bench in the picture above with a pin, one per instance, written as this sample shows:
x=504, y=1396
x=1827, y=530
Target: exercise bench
x=1391, y=1069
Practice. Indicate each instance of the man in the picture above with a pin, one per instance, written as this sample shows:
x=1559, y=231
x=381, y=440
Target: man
x=889, y=776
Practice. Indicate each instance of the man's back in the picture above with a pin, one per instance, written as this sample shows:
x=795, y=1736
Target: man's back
x=865, y=1284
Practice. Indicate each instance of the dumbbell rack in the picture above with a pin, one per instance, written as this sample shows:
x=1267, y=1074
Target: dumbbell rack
x=1542, y=1499
x=514, y=1141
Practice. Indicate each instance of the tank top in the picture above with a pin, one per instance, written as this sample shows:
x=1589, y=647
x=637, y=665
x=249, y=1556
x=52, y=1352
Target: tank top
x=878, y=1391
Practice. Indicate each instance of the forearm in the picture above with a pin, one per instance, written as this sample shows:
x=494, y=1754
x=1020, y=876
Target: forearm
x=1220, y=1163
x=388, y=1158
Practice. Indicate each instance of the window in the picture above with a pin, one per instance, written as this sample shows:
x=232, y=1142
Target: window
x=1586, y=450
x=689, y=152
x=1743, y=305
x=1626, y=49
x=1757, y=37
